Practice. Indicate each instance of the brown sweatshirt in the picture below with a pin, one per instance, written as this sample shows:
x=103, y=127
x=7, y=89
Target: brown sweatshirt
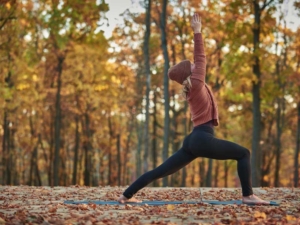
x=203, y=106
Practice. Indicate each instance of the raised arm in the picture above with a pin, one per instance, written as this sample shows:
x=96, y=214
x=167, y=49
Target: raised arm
x=199, y=71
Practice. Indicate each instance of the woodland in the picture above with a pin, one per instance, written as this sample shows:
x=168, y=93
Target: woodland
x=78, y=108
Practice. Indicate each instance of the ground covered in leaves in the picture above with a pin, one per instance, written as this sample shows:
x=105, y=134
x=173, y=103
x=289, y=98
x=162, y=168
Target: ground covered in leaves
x=44, y=205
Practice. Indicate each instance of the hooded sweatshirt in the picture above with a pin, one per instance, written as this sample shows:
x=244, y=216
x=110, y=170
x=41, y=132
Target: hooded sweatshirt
x=203, y=106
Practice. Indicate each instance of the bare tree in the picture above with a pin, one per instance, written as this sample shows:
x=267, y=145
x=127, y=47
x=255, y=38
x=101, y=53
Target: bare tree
x=164, y=46
x=148, y=80
x=256, y=156
x=297, y=149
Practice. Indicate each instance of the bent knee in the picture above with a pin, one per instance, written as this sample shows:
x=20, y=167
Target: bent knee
x=247, y=152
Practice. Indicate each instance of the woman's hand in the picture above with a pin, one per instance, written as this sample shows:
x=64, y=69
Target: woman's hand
x=196, y=23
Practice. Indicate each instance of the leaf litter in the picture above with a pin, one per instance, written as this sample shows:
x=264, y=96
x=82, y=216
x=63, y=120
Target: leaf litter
x=45, y=205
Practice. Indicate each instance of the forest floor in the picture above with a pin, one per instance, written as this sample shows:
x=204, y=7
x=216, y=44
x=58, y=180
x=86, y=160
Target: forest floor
x=45, y=205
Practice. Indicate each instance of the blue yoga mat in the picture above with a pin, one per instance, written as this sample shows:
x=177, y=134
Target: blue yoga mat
x=155, y=203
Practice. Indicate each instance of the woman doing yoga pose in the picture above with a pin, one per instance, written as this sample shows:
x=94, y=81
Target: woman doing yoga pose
x=201, y=141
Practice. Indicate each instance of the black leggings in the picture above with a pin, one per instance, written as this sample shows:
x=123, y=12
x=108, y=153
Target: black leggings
x=200, y=143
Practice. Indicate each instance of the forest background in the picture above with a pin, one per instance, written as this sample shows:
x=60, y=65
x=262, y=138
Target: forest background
x=78, y=107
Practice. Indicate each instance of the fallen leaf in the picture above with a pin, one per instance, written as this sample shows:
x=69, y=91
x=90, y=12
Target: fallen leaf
x=290, y=218
x=2, y=221
x=52, y=209
x=258, y=214
x=170, y=207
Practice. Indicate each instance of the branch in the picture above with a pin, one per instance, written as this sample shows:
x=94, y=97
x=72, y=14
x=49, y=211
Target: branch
x=157, y=9
x=8, y=18
x=155, y=21
x=266, y=3
x=158, y=12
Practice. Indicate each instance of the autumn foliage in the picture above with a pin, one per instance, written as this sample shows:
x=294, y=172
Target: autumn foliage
x=73, y=101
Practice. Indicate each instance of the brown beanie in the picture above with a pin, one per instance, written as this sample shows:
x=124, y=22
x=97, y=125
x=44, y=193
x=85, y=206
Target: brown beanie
x=180, y=71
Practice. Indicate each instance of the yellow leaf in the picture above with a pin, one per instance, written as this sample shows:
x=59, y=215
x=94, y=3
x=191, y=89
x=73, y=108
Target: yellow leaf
x=8, y=5
x=258, y=214
x=290, y=217
x=170, y=207
x=2, y=221
x=34, y=77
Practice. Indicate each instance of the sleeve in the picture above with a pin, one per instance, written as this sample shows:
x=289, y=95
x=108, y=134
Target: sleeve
x=199, y=71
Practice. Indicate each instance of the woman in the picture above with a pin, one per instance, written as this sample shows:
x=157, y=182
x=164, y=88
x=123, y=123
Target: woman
x=201, y=142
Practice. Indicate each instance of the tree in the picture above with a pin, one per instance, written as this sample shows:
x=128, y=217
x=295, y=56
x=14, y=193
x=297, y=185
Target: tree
x=148, y=4
x=61, y=44
x=164, y=46
x=256, y=152
x=296, y=81
x=8, y=26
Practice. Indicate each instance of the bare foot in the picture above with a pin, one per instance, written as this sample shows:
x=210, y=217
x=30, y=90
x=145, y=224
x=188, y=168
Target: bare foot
x=123, y=199
x=253, y=199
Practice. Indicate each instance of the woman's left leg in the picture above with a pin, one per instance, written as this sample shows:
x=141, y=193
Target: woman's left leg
x=178, y=160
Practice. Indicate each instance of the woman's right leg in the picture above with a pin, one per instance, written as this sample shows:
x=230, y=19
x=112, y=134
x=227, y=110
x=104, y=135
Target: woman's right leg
x=204, y=144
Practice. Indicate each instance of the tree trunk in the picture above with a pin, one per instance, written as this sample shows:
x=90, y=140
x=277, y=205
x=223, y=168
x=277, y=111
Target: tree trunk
x=42, y=147
x=45, y=156
x=76, y=149
x=216, y=177
x=256, y=156
x=63, y=177
x=86, y=165
x=279, y=127
x=81, y=160
x=202, y=172
x=280, y=108
x=6, y=144
x=38, y=181
x=266, y=154
x=109, y=174
x=102, y=171
x=193, y=174
x=139, y=150
x=5, y=147
x=51, y=151
x=226, y=168
x=185, y=122
x=127, y=149
x=148, y=82
x=209, y=173
x=166, y=83
x=297, y=149
x=12, y=156
x=87, y=151
x=96, y=167
x=173, y=134
x=8, y=157
x=57, y=123
x=119, y=158
x=113, y=170
x=175, y=178
x=154, y=136
x=33, y=171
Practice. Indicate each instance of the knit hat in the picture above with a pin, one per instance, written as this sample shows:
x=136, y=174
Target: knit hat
x=180, y=71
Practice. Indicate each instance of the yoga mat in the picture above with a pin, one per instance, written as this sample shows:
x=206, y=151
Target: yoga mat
x=155, y=203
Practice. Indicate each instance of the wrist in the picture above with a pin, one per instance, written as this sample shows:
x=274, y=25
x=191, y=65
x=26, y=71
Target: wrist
x=197, y=31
